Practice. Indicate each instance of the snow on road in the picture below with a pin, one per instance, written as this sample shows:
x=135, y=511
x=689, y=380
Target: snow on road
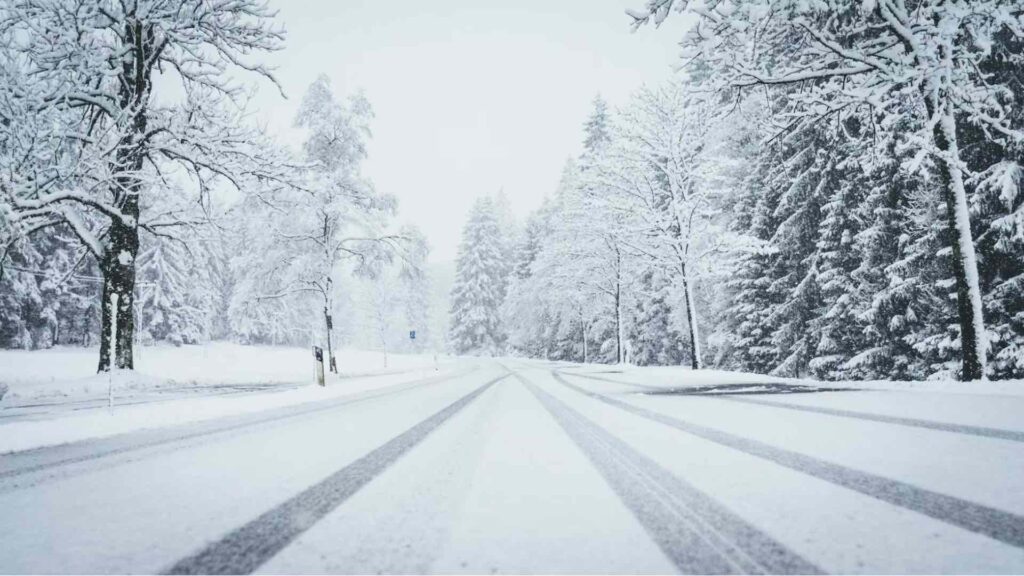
x=537, y=506
x=531, y=467
x=868, y=446
x=145, y=514
x=498, y=489
x=841, y=530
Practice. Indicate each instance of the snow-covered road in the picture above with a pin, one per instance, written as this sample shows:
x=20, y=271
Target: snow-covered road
x=526, y=467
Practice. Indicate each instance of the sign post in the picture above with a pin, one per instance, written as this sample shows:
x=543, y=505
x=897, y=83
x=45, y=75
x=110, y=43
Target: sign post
x=330, y=352
x=318, y=357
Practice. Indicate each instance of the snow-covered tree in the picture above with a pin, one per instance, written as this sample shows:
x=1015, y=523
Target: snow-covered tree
x=481, y=272
x=48, y=291
x=527, y=318
x=175, y=299
x=303, y=233
x=655, y=338
x=85, y=138
x=836, y=59
x=659, y=179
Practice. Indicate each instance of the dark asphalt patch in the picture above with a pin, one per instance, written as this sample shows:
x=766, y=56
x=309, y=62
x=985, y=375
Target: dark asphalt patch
x=697, y=533
x=997, y=524
x=742, y=389
x=246, y=548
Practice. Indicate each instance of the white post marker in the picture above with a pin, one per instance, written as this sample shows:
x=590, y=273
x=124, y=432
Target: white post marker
x=113, y=350
x=318, y=357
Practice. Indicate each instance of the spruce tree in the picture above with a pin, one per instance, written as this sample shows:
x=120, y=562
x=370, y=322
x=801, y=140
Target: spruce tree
x=479, y=276
x=656, y=340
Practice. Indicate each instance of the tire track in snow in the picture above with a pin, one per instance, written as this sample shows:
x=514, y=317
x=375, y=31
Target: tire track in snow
x=982, y=431
x=997, y=524
x=47, y=458
x=697, y=533
x=246, y=548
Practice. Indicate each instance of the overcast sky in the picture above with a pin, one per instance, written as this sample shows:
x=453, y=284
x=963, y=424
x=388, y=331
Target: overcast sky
x=470, y=96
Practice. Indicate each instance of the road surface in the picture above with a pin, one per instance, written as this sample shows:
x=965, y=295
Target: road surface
x=525, y=467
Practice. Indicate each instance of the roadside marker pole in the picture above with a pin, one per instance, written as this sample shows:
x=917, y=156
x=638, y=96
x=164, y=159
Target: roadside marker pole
x=112, y=363
x=318, y=357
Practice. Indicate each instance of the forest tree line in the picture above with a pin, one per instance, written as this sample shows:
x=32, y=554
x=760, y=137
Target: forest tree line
x=828, y=189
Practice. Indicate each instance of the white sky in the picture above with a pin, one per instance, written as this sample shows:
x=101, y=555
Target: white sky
x=470, y=96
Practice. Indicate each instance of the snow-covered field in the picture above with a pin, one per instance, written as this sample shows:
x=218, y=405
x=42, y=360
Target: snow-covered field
x=54, y=398
x=71, y=371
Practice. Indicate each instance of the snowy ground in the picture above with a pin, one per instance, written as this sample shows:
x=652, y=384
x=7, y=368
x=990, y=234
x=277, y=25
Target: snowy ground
x=173, y=386
x=524, y=467
x=71, y=371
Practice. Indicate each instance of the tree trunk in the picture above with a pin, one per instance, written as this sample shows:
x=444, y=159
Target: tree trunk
x=618, y=322
x=965, y=264
x=117, y=326
x=691, y=321
x=583, y=337
x=618, y=306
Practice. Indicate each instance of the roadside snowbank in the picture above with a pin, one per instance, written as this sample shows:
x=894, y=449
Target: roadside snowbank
x=176, y=385
x=65, y=427
x=683, y=377
x=68, y=372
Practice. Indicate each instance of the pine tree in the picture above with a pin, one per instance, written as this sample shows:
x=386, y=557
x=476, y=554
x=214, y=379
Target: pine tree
x=751, y=299
x=806, y=177
x=596, y=129
x=837, y=333
x=174, y=293
x=476, y=296
x=890, y=301
x=997, y=211
x=656, y=341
